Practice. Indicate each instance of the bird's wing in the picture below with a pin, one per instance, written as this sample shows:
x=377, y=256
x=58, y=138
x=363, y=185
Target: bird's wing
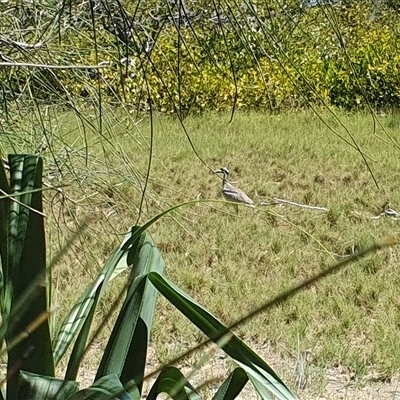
x=232, y=193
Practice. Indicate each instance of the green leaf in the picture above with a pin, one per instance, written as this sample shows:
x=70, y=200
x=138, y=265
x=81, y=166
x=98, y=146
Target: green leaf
x=232, y=386
x=173, y=382
x=4, y=258
x=26, y=266
x=78, y=350
x=126, y=350
x=4, y=212
x=33, y=386
x=79, y=319
x=106, y=388
x=265, y=380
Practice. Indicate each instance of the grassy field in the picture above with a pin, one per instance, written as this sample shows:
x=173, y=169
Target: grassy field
x=232, y=263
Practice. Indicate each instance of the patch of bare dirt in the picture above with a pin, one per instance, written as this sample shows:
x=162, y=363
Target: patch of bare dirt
x=333, y=383
x=308, y=383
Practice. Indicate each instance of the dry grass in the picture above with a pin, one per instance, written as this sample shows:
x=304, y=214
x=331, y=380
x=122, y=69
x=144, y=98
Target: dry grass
x=232, y=263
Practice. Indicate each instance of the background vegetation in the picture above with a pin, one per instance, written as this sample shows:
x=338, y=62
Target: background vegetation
x=194, y=56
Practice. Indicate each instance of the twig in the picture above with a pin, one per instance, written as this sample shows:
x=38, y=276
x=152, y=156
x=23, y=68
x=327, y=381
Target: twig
x=2, y=192
x=389, y=212
x=104, y=64
x=21, y=44
x=291, y=203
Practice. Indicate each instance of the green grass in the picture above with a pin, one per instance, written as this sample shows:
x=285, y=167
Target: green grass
x=233, y=263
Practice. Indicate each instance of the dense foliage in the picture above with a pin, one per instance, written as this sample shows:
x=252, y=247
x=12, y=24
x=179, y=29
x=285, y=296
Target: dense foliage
x=195, y=56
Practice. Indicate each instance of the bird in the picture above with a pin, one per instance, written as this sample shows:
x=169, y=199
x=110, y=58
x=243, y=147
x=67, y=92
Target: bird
x=232, y=193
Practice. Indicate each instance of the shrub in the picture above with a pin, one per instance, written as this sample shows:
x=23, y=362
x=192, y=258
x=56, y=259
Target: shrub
x=258, y=56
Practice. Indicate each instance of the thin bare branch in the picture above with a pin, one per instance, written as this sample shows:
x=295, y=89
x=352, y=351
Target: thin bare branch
x=104, y=64
x=291, y=203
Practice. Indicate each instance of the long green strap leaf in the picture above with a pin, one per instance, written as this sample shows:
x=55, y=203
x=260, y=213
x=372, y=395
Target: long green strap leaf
x=38, y=387
x=265, y=380
x=4, y=258
x=79, y=320
x=75, y=319
x=4, y=212
x=173, y=382
x=108, y=387
x=126, y=350
x=26, y=263
x=232, y=386
x=78, y=350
